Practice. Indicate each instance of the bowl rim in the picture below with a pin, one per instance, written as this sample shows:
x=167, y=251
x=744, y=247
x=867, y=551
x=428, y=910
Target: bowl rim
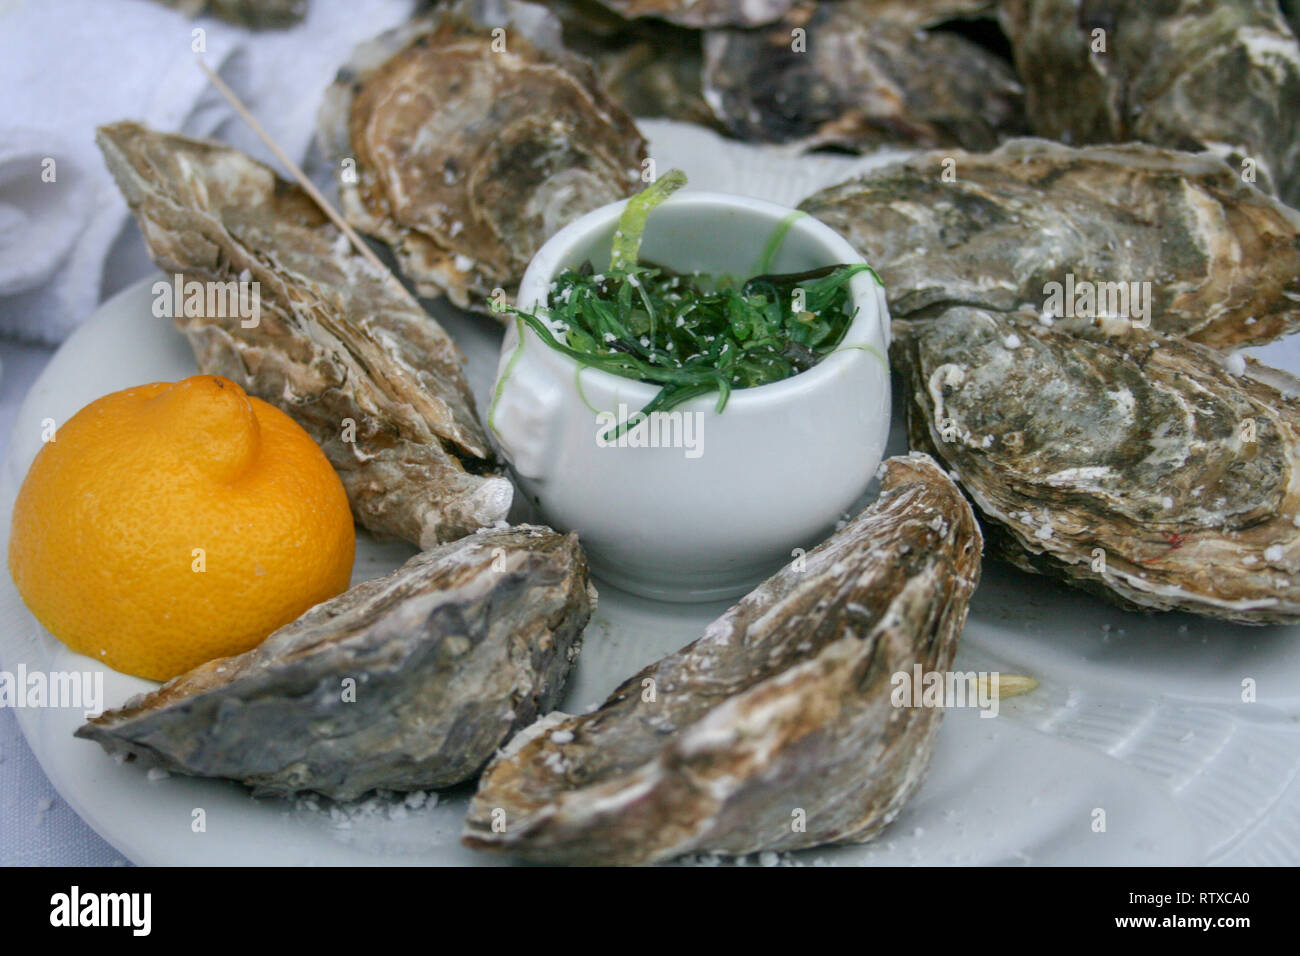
x=868, y=326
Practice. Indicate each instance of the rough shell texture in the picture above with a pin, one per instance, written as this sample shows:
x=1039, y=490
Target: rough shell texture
x=1220, y=74
x=655, y=72
x=927, y=13
x=466, y=151
x=783, y=705
x=1130, y=464
x=445, y=659
x=1221, y=257
x=375, y=381
x=651, y=68
x=704, y=13
x=857, y=81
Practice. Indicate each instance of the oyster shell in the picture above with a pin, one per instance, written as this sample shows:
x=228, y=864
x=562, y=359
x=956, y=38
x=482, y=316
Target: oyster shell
x=1181, y=73
x=1125, y=462
x=655, y=72
x=920, y=14
x=704, y=13
x=784, y=705
x=444, y=659
x=471, y=150
x=375, y=381
x=1221, y=257
x=650, y=68
x=859, y=81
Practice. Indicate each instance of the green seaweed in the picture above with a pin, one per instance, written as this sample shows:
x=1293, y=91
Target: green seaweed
x=693, y=335
x=631, y=224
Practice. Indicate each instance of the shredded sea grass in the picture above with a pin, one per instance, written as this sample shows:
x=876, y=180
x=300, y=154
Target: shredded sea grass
x=692, y=334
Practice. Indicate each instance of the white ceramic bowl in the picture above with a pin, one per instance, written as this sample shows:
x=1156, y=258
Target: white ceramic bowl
x=734, y=496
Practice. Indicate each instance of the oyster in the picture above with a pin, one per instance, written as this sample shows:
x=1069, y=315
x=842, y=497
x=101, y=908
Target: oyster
x=1220, y=258
x=1186, y=74
x=780, y=713
x=857, y=81
x=471, y=149
x=406, y=682
x=375, y=381
x=920, y=14
x=704, y=13
x=655, y=72
x=1125, y=462
x=650, y=68
x=249, y=13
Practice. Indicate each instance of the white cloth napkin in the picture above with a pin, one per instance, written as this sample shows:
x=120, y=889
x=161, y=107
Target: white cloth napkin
x=67, y=67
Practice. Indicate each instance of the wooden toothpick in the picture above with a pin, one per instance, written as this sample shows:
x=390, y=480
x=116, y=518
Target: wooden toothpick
x=308, y=186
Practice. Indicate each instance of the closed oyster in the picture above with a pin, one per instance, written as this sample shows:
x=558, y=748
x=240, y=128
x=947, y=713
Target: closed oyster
x=704, y=13
x=1221, y=259
x=654, y=72
x=781, y=711
x=855, y=80
x=407, y=682
x=466, y=139
x=650, y=68
x=1188, y=74
x=1130, y=464
x=374, y=379
x=919, y=14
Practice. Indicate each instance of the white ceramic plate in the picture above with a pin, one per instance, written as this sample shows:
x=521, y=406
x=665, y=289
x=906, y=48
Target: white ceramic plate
x=1137, y=715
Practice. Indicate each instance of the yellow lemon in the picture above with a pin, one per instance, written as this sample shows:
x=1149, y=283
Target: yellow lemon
x=170, y=524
